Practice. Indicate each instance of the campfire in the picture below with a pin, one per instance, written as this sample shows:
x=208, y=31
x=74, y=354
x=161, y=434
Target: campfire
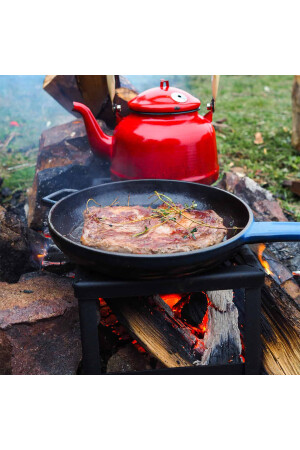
x=263, y=262
x=203, y=322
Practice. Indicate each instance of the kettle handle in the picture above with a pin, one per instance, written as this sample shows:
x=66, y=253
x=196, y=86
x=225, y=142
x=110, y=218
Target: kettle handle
x=215, y=79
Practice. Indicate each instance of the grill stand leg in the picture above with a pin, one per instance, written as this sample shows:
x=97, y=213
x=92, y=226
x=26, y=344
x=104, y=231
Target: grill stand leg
x=89, y=316
x=252, y=331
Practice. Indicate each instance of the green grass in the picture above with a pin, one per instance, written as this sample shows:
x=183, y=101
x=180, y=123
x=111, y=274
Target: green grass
x=23, y=100
x=255, y=104
x=249, y=103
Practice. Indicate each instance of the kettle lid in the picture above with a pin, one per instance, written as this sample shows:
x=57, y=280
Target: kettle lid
x=164, y=99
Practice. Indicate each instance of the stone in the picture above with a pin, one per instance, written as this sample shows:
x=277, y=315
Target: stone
x=64, y=161
x=39, y=326
x=128, y=359
x=15, y=250
x=264, y=205
x=265, y=208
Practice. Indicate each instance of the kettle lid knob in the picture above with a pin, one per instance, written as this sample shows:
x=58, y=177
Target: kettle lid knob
x=162, y=84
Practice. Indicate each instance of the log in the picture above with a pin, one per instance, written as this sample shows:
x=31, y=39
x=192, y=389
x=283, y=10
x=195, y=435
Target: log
x=296, y=112
x=92, y=90
x=64, y=89
x=222, y=340
x=165, y=333
x=280, y=315
x=294, y=186
x=265, y=208
x=280, y=293
x=153, y=324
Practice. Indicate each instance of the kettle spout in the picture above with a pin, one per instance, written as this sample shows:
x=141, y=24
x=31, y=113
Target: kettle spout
x=101, y=143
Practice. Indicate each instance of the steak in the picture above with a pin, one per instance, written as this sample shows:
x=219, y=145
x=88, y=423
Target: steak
x=133, y=229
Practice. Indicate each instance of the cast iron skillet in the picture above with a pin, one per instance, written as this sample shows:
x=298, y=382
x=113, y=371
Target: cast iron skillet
x=66, y=220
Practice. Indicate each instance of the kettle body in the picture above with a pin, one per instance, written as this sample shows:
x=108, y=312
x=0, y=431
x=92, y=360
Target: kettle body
x=163, y=137
x=175, y=146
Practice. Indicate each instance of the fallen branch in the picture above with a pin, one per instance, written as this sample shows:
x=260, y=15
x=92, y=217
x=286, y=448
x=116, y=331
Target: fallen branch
x=8, y=140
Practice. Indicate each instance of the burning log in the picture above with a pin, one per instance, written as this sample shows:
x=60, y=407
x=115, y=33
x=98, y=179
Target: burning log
x=184, y=330
x=280, y=313
x=280, y=293
x=222, y=340
x=152, y=322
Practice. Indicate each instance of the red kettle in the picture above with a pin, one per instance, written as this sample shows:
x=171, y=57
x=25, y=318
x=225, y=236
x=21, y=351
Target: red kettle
x=163, y=137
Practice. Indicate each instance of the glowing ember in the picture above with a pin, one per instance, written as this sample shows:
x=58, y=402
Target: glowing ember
x=171, y=299
x=42, y=255
x=177, y=302
x=263, y=262
x=203, y=325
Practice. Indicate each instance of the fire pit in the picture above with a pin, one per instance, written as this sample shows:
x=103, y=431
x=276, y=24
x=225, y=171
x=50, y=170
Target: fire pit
x=218, y=284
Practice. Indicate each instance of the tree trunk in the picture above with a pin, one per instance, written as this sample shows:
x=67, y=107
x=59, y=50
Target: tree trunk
x=296, y=113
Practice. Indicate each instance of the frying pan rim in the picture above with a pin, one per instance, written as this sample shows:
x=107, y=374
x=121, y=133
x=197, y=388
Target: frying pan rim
x=155, y=255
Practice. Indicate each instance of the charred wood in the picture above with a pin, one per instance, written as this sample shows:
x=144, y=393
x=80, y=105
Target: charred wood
x=152, y=322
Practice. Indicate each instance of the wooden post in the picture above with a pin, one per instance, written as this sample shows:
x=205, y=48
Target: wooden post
x=296, y=113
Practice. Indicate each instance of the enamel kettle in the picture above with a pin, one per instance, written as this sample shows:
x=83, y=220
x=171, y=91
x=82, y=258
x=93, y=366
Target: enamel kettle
x=164, y=137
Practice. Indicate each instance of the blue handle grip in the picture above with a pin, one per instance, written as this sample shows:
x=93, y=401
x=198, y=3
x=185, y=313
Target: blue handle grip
x=272, y=232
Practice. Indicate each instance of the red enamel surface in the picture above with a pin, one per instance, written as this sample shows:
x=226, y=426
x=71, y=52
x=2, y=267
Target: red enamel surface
x=159, y=100
x=180, y=147
x=160, y=144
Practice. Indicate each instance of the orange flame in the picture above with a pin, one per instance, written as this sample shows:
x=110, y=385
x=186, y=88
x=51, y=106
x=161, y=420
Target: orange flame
x=176, y=303
x=42, y=255
x=171, y=299
x=263, y=262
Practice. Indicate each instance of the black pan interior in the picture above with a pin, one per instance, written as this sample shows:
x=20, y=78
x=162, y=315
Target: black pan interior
x=67, y=216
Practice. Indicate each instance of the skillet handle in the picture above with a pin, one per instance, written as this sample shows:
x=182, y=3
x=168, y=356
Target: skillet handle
x=272, y=232
x=51, y=199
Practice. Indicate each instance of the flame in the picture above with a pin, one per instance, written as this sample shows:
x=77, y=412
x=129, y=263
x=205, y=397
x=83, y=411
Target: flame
x=203, y=325
x=42, y=255
x=171, y=299
x=177, y=302
x=263, y=262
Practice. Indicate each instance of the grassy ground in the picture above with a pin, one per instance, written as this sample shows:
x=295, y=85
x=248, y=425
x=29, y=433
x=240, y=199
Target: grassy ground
x=250, y=104
x=23, y=102
x=254, y=104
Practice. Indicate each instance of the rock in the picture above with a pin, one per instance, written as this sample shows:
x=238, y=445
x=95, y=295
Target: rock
x=265, y=208
x=64, y=161
x=39, y=326
x=262, y=202
x=6, y=192
x=128, y=359
x=15, y=251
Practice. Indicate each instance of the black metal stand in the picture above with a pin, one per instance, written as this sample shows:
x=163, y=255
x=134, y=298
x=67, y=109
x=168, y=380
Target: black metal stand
x=90, y=286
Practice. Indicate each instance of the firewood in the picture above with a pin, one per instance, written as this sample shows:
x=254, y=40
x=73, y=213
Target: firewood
x=222, y=340
x=92, y=90
x=280, y=316
x=64, y=89
x=154, y=325
x=294, y=185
